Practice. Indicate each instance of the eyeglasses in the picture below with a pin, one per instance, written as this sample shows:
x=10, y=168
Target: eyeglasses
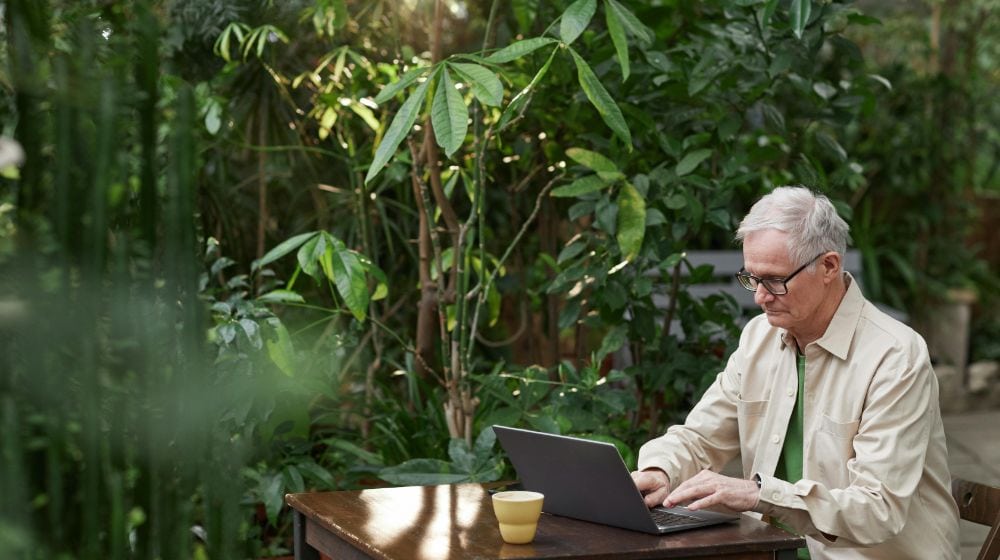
x=777, y=286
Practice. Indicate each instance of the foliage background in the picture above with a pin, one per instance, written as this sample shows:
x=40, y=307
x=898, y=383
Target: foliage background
x=210, y=295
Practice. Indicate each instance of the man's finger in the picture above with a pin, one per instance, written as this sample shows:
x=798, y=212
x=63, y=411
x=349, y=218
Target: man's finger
x=678, y=497
x=655, y=498
x=707, y=501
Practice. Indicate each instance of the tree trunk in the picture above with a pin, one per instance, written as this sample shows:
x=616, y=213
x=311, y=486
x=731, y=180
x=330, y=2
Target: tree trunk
x=427, y=308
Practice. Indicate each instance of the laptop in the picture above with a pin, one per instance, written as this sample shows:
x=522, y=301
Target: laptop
x=588, y=480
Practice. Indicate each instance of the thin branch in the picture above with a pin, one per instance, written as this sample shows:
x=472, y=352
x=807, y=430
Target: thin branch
x=512, y=338
x=523, y=183
x=480, y=140
x=674, y=290
x=510, y=248
x=491, y=26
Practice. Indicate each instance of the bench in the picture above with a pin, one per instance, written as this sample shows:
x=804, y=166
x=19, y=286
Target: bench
x=980, y=503
x=725, y=264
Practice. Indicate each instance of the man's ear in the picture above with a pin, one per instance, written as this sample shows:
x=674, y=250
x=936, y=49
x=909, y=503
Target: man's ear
x=831, y=266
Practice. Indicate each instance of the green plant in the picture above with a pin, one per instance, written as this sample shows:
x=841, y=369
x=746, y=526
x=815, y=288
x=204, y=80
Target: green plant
x=106, y=386
x=278, y=384
x=737, y=105
x=529, y=238
x=477, y=463
x=927, y=147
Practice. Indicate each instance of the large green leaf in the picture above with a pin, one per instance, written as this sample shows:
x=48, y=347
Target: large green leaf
x=570, y=251
x=704, y=73
x=773, y=117
x=381, y=281
x=449, y=115
x=343, y=267
x=631, y=23
x=516, y=50
x=575, y=19
x=631, y=221
x=272, y=493
x=399, y=128
x=691, y=160
x=618, y=39
x=831, y=146
x=765, y=14
x=484, y=83
x=583, y=185
x=351, y=282
x=423, y=472
x=317, y=472
x=293, y=479
x=602, y=100
x=281, y=350
x=595, y=161
x=310, y=254
x=283, y=248
x=352, y=449
x=483, y=447
x=461, y=456
x=252, y=330
x=881, y=79
x=799, y=13
x=366, y=115
x=389, y=91
x=824, y=90
x=281, y=296
x=614, y=340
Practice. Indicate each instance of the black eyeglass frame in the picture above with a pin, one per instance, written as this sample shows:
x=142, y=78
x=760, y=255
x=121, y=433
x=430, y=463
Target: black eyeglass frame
x=751, y=282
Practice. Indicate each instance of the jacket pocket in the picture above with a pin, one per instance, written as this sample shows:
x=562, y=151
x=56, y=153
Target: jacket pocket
x=840, y=430
x=748, y=409
x=750, y=419
x=832, y=448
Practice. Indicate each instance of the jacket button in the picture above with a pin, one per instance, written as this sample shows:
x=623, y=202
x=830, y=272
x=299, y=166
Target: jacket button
x=775, y=439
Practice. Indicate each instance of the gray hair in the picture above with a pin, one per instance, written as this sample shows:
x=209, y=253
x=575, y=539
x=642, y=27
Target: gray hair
x=810, y=220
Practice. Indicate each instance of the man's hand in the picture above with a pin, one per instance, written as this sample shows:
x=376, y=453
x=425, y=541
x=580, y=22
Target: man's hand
x=707, y=489
x=653, y=484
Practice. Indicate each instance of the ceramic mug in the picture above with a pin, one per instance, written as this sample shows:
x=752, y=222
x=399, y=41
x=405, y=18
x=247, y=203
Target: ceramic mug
x=518, y=512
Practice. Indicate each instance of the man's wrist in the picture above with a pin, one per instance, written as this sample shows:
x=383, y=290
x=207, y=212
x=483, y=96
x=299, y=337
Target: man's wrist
x=658, y=470
x=760, y=491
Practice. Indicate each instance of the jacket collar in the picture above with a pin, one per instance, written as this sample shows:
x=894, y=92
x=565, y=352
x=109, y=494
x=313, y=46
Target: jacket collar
x=840, y=332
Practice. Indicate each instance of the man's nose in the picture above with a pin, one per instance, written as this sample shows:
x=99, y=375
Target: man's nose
x=761, y=295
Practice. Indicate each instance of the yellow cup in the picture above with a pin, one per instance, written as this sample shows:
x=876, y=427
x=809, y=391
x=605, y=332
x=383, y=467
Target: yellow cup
x=518, y=512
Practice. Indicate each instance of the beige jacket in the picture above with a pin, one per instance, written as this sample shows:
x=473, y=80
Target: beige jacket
x=875, y=472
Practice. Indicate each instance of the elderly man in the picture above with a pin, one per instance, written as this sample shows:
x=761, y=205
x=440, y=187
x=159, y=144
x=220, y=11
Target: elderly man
x=832, y=405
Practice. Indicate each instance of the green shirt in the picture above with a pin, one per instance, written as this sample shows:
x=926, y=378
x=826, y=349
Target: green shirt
x=790, y=463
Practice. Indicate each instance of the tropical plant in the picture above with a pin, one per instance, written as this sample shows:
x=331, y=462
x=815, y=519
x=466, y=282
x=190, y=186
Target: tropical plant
x=929, y=149
x=351, y=236
x=726, y=108
x=105, y=389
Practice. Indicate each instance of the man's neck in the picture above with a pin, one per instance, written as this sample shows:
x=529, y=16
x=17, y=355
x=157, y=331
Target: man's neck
x=824, y=314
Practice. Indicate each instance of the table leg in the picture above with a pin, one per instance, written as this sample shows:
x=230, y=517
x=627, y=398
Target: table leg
x=303, y=551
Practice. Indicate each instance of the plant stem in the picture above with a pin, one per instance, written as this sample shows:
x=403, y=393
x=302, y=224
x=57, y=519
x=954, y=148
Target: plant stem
x=485, y=286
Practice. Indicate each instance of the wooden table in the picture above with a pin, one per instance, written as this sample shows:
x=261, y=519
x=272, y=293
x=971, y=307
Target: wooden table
x=457, y=521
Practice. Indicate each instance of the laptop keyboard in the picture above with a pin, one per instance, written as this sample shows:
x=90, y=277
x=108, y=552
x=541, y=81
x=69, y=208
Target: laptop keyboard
x=664, y=518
